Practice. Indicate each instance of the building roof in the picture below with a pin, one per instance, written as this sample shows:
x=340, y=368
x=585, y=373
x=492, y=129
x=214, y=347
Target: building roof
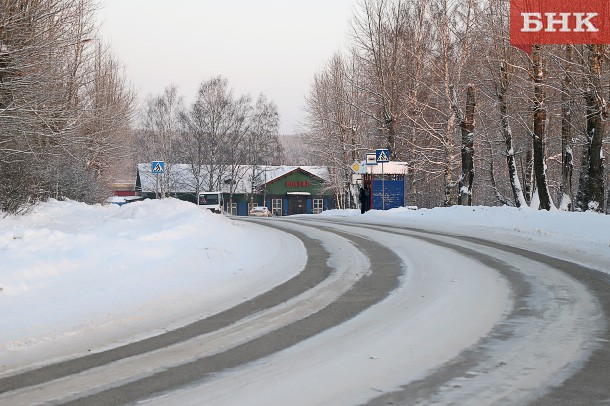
x=322, y=174
x=392, y=167
x=182, y=179
x=276, y=172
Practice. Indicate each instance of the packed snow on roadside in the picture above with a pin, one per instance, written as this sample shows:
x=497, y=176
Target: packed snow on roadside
x=75, y=277
x=569, y=236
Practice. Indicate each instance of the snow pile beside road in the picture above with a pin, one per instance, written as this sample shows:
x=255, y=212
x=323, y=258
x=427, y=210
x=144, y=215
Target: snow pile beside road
x=69, y=270
x=562, y=234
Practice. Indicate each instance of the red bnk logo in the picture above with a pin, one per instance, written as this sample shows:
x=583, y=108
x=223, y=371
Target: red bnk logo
x=559, y=22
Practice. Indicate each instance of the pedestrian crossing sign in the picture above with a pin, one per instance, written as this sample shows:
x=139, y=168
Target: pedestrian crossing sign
x=158, y=167
x=382, y=155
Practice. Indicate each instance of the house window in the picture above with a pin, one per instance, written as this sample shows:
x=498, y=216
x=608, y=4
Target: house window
x=234, y=208
x=276, y=206
x=318, y=206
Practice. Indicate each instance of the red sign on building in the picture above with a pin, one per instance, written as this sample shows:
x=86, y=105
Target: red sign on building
x=301, y=184
x=559, y=22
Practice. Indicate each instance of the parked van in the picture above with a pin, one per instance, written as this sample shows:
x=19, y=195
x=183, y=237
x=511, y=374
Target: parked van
x=212, y=201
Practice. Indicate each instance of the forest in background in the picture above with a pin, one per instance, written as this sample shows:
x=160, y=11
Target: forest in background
x=477, y=120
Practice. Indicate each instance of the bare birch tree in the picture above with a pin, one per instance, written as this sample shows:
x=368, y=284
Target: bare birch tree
x=466, y=123
x=262, y=145
x=539, y=134
x=160, y=136
x=497, y=78
x=378, y=33
x=338, y=122
x=223, y=135
x=212, y=119
x=567, y=98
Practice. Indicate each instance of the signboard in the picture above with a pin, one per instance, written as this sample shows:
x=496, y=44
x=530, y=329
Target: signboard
x=158, y=167
x=559, y=22
x=355, y=166
x=371, y=159
x=301, y=184
x=382, y=155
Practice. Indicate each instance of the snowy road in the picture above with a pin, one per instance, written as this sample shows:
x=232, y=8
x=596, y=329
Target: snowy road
x=380, y=315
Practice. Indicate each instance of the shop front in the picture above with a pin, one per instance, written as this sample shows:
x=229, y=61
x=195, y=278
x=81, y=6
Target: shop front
x=297, y=192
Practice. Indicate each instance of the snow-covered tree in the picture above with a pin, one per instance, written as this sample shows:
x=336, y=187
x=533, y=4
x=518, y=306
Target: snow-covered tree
x=159, y=137
x=223, y=135
x=338, y=123
x=58, y=90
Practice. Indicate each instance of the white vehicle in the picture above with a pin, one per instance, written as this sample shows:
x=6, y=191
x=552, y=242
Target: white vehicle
x=260, y=211
x=212, y=201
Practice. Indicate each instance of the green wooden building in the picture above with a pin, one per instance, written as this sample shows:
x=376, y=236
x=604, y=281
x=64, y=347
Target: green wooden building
x=296, y=192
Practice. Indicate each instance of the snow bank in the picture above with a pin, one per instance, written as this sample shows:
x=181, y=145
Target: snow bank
x=69, y=270
x=566, y=235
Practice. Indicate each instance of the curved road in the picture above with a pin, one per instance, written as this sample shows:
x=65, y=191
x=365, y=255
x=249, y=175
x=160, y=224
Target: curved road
x=443, y=319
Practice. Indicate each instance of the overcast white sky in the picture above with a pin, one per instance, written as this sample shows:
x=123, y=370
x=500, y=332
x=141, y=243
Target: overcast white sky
x=273, y=47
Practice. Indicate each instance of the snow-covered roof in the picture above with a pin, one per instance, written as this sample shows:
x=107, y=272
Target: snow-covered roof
x=182, y=180
x=394, y=168
x=274, y=172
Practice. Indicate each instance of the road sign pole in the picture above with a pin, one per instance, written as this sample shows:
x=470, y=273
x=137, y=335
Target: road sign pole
x=158, y=168
x=157, y=186
x=382, y=188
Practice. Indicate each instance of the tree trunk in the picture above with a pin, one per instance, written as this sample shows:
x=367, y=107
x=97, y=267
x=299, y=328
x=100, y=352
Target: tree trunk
x=529, y=177
x=540, y=130
x=448, y=172
x=566, y=134
x=492, y=179
x=508, y=137
x=467, y=126
x=596, y=112
x=582, y=194
x=448, y=146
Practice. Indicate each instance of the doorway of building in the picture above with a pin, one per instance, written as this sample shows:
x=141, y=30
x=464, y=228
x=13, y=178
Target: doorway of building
x=297, y=205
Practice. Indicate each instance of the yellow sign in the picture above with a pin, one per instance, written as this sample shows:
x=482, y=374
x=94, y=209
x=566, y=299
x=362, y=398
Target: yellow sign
x=356, y=166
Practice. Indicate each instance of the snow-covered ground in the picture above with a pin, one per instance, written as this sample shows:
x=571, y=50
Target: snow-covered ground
x=75, y=277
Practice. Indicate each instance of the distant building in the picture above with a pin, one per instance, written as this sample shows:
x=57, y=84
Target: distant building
x=285, y=190
x=123, y=189
x=386, y=182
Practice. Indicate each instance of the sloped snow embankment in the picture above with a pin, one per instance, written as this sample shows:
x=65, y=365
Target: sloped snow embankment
x=76, y=277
